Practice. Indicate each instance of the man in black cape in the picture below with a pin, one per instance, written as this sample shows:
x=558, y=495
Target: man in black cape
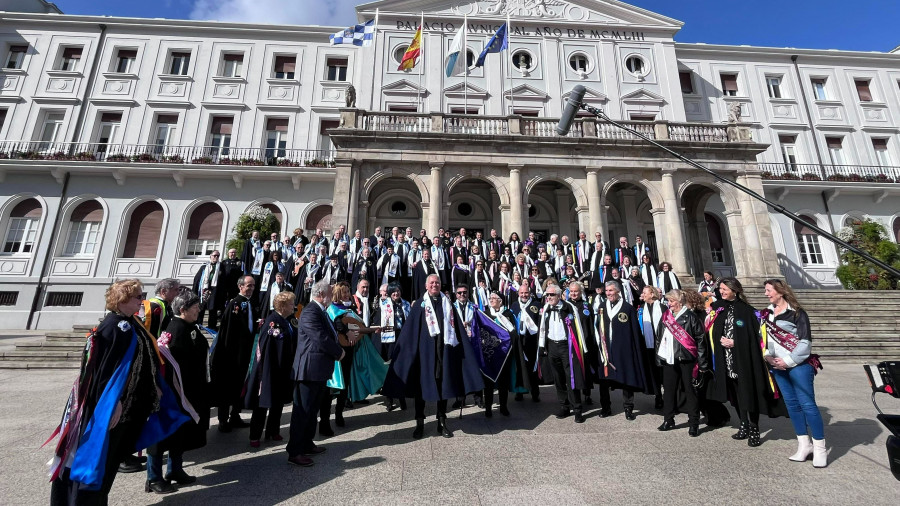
x=209, y=284
x=231, y=356
x=248, y=254
x=527, y=311
x=426, y=267
x=431, y=362
x=621, y=363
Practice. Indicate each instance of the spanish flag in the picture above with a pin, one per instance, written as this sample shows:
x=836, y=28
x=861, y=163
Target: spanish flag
x=411, y=56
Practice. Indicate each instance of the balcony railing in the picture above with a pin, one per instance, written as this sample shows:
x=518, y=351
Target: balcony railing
x=535, y=127
x=152, y=153
x=836, y=173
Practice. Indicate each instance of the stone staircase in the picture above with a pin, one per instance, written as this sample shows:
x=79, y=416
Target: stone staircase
x=858, y=326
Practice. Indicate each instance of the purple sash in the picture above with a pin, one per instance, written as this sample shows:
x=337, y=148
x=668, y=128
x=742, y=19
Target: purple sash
x=682, y=337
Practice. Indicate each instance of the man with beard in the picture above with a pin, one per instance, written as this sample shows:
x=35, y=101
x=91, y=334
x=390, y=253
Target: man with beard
x=622, y=357
x=432, y=359
x=230, y=357
x=334, y=272
x=206, y=285
x=233, y=270
x=527, y=311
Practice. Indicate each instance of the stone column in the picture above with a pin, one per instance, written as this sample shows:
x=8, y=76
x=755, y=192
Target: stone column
x=674, y=232
x=659, y=226
x=594, y=206
x=738, y=252
x=353, y=215
x=363, y=219
x=516, y=207
x=435, y=205
x=762, y=261
x=340, y=201
x=584, y=220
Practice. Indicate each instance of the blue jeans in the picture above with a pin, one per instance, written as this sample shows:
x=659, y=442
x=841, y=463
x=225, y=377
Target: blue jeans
x=155, y=463
x=796, y=386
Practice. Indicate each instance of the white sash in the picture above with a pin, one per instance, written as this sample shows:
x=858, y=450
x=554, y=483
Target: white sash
x=648, y=274
x=466, y=316
x=270, y=266
x=387, y=320
x=206, y=283
x=673, y=280
x=257, y=261
x=611, y=312
x=527, y=323
x=431, y=320
x=502, y=320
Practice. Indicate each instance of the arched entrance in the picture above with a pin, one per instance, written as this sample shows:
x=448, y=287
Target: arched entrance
x=628, y=215
x=474, y=204
x=552, y=210
x=394, y=202
x=707, y=237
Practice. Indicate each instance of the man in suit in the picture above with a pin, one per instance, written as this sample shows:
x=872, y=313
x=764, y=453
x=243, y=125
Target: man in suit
x=639, y=249
x=600, y=246
x=317, y=350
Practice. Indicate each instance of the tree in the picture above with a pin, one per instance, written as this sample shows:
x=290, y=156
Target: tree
x=857, y=273
x=256, y=218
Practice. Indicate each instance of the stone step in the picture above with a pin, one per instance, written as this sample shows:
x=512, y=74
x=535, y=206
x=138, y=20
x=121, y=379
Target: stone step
x=80, y=335
x=43, y=355
x=20, y=364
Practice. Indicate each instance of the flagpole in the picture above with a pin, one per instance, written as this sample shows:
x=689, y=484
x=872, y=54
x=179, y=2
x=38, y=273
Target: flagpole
x=374, y=57
x=509, y=64
x=465, y=55
x=421, y=58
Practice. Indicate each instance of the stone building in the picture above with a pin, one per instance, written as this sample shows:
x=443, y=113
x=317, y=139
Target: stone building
x=129, y=147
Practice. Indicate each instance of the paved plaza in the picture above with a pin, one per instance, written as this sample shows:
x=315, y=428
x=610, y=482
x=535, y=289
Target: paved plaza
x=529, y=458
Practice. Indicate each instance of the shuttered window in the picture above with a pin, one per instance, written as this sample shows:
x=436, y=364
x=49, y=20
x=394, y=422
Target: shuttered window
x=144, y=229
x=863, y=90
x=730, y=85
x=204, y=230
x=284, y=67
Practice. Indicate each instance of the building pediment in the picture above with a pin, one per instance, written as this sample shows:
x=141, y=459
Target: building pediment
x=403, y=87
x=461, y=90
x=593, y=12
x=643, y=96
x=590, y=96
x=526, y=92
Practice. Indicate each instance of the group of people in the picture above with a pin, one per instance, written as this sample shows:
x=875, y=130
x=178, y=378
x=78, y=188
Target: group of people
x=576, y=315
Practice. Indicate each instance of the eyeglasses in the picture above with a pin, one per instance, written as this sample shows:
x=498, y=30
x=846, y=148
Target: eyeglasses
x=552, y=295
x=462, y=293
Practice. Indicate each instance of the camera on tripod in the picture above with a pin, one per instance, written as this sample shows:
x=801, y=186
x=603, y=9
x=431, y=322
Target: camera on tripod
x=883, y=379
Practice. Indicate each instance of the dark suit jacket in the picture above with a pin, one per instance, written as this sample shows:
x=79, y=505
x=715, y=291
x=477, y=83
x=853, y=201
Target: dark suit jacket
x=317, y=346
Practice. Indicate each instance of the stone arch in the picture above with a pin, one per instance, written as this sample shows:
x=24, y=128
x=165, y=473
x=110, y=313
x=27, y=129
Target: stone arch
x=726, y=193
x=694, y=196
x=569, y=182
x=314, y=212
x=490, y=176
x=186, y=221
x=65, y=222
x=401, y=172
x=6, y=209
x=643, y=183
x=398, y=194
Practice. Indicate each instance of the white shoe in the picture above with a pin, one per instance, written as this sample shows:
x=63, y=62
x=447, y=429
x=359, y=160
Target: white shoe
x=804, y=449
x=820, y=453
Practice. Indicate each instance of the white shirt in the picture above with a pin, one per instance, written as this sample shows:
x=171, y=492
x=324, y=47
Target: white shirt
x=556, y=328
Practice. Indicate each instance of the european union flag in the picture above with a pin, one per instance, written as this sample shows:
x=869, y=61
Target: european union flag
x=491, y=343
x=498, y=42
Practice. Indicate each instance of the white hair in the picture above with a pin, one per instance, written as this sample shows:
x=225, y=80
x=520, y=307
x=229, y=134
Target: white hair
x=320, y=289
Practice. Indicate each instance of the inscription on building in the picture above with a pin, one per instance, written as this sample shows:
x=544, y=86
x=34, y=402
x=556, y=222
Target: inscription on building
x=526, y=31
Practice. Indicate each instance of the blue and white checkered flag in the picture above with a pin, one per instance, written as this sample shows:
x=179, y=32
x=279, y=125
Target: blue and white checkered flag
x=358, y=35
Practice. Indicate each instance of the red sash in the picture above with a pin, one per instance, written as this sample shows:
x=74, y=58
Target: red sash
x=787, y=340
x=682, y=337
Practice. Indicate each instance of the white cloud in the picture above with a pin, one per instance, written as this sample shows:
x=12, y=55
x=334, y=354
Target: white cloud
x=288, y=12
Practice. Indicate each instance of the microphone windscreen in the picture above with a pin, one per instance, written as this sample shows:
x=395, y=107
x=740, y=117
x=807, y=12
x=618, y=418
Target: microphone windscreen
x=572, y=106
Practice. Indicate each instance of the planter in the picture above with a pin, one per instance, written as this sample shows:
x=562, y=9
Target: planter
x=144, y=158
x=767, y=175
x=811, y=177
x=229, y=161
x=837, y=177
x=202, y=160
x=118, y=158
x=287, y=163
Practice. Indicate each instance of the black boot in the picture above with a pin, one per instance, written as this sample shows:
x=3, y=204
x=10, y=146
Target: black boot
x=339, y=418
x=742, y=431
x=694, y=430
x=420, y=429
x=753, y=439
x=158, y=487
x=325, y=429
x=403, y=403
x=442, y=427
x=667, y=425
x=658, y=402
x=389, y=404
x=629, y=414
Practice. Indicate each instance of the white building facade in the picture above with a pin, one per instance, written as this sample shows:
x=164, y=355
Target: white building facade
x=129, y=147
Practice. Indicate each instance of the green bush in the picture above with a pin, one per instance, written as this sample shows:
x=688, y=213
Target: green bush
x=857, y=273
x=256, y=218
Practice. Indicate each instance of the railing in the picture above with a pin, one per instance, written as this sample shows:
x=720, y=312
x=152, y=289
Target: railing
x=698, y=133
x=153, y=153
x=537, y=127
x=476, y=125
x=837, y=173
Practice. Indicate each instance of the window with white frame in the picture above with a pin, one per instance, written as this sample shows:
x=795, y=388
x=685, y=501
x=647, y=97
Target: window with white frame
x=729, y=84
x=789, y=151
x=836, y=149
x=204, y=230
x=164, y=132
x=109, y=128
x=179, y=62
x=336, y=69
x=522, y=60
x=863, y=90
x=882, y=158
x=69, y=59
x=22, y=230
x=233, y=65
x=84, y=229
x=579, y=62
x=276, y=137
x=636, y=65
x=773, y=84
x=808, y=244
x=327, y=146
x=50, y=131
x=125, y=59
x=284, y=66
x=16, y=57
x=819, y=88
x=220, y=136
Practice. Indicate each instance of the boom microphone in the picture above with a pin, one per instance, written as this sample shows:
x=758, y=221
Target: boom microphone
x=572, y=106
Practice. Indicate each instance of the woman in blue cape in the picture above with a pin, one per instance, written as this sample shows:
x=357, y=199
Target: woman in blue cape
x=119, y=403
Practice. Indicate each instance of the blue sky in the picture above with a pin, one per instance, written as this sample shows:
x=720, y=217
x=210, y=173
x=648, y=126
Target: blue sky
x=866, y=25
